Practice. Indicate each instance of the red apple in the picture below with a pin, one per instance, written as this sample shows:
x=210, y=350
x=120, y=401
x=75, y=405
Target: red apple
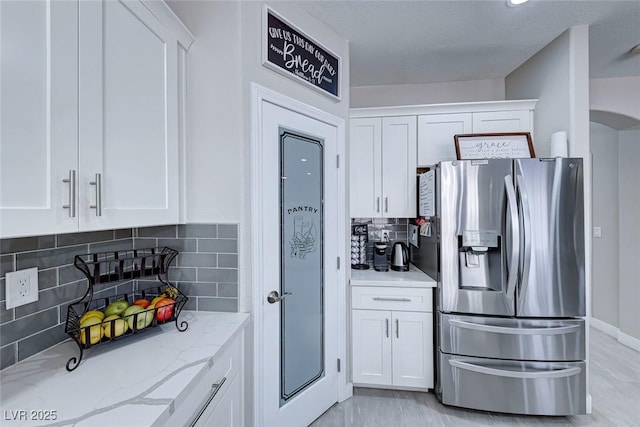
x=164, y=309
x=142, y=303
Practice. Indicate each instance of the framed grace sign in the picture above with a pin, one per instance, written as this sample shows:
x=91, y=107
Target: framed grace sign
x=516, y=145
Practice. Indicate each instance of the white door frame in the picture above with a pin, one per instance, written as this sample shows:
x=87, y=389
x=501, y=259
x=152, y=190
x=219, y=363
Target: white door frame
x=260, y=94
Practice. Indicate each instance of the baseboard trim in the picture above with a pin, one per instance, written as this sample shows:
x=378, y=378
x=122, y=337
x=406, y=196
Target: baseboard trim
x=629, y=341
x=614, y=332
x=608, y=329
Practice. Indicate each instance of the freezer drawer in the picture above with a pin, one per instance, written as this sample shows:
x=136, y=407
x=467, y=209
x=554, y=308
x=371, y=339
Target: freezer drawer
x=508, y=338
x=533, y=388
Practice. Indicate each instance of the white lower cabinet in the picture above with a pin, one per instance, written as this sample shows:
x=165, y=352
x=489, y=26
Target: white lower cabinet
x=392, y=347
x=217, y=397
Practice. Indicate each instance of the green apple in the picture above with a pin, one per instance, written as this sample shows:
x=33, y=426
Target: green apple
x=120, y=326
x=130, y=316
x=116, y=307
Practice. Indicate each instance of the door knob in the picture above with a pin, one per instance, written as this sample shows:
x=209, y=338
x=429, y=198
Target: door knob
x=274, y=297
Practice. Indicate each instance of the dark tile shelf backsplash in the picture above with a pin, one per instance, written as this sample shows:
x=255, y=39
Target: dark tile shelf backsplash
x=398, y=229
x=206, y=271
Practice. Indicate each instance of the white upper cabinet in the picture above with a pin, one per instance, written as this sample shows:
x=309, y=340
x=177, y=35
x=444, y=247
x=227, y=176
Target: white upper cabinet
x=436, y=130
x=502, y=121
x=90, y=116
x=435, y=136
x=383, y=167
x=399, y=183
x=365, y=168
x=38, y=116
x=128, y=117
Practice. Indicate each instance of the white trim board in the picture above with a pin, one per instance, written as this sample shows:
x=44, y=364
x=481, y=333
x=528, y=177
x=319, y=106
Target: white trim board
x=614, y=332
x=457, y=107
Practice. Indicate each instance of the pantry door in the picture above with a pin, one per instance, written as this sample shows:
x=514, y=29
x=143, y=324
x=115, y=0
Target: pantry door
x=297, y=309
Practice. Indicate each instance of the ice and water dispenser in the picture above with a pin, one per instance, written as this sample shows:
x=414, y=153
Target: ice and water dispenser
x=480, y=260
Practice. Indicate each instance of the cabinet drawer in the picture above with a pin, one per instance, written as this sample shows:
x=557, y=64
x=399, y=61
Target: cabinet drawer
x=380, y=298
x=210, y=385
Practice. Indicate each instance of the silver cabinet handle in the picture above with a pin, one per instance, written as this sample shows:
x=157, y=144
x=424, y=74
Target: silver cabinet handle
x=72, y=193
x=378, y=204
x=98, y=184
x=274, y=297
x=386, y=321
x=560, y=373
x=554, y=330
x=215, y=389
x=397, y=328
x=386, y=204
x=391, y=299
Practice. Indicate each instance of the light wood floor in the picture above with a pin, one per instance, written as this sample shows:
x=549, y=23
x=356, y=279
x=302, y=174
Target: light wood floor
x=615, y=392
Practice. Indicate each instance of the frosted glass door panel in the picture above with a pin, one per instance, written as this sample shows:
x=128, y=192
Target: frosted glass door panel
x=301, y=270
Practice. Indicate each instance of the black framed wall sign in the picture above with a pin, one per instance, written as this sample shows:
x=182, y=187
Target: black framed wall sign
x=291, y=52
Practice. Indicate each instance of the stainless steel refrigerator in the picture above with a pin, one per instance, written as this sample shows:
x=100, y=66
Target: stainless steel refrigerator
x=511, y=285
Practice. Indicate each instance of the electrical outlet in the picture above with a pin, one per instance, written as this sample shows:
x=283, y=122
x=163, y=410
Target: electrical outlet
x=384, y=235
x=22, y=287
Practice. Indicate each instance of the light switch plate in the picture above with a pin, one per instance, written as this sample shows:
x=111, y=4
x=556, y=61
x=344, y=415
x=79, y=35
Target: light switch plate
x=597, y=232
x=21, y=287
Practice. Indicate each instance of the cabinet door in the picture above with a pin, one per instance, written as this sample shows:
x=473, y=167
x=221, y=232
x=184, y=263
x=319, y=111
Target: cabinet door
x=128, y=117
x=38, y=112
x=365, y=178
x=228, y=411
x=502, y=121
x=399, y=183
x=412, y=349
x=435, y=136
x=371, y=337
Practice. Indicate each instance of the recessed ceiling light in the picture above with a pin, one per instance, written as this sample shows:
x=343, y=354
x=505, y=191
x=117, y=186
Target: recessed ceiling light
x=303, y=160
x=516, y=2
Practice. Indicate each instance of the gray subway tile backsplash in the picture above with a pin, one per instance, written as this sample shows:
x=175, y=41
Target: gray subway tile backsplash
x=49, y=258
x=227, y=275
x=180, y=245
x=228, y=260
x=160, y=231
x=26, y=326
x=199, y=288
x=41, y=341
x=217, y=304
x=7, y=264
x=198, y=230
x=23, y=244
x=7, y=355
x=190, y=259
x=79, y=238
x=227, y=231
x=225, y=246
x=206, y=271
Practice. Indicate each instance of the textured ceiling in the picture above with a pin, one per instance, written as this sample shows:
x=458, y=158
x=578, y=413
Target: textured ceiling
x=428, y=41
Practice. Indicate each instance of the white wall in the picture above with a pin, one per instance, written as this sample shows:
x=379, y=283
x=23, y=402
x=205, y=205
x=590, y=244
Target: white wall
x=605, y=283
x=629, y=179
x=617, y=95
x=215, y=118
x=545, y=76
x=432, y=93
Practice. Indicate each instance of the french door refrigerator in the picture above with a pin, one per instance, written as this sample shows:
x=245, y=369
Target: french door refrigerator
x=511, y=285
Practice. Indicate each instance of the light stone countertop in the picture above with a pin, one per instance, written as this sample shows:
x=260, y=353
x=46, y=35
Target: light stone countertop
x=136, y=381
x=414, y=278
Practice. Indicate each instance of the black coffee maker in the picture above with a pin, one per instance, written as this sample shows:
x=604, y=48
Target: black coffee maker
x=380, y=262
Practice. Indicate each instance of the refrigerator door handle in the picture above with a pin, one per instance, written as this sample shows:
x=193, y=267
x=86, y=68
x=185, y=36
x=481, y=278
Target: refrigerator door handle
x=560, y=373
x=526, y=215
x=560, y=330
x=515, y=236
